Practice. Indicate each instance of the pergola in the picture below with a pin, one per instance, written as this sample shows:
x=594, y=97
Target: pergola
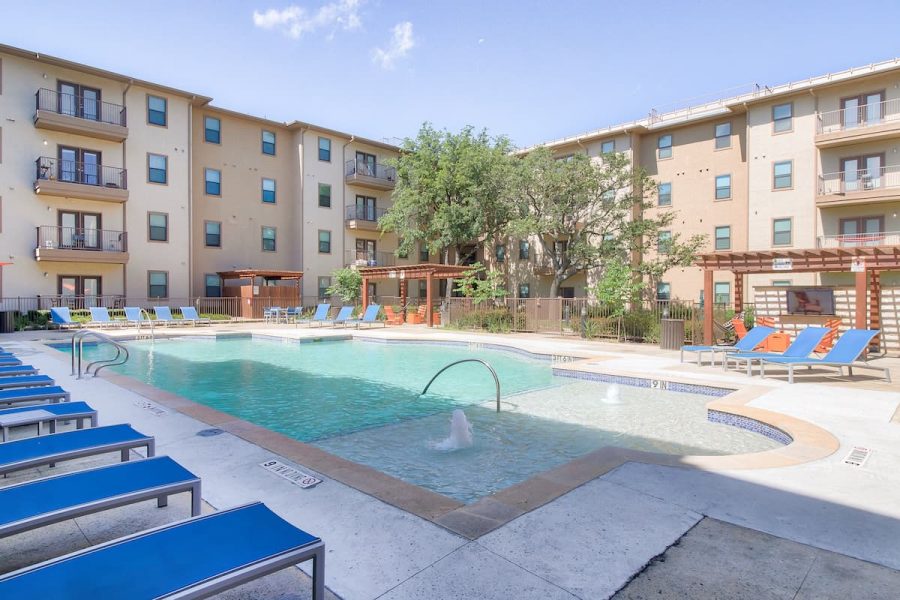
x=867, y=262
x=252, y=274
x=427, y=271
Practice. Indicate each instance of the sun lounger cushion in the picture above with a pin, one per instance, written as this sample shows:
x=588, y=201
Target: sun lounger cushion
x=25, y=381
x=33, y=394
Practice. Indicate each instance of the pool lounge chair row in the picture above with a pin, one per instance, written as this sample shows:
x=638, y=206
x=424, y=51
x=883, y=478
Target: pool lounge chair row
x=134, y=316
x=193, y=558
x=344, y=317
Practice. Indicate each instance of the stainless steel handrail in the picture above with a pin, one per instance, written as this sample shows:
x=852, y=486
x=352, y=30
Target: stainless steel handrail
x=465, y=360
x=78, y=353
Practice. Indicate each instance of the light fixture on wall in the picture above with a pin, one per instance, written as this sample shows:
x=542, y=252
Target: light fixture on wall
x=46, y=274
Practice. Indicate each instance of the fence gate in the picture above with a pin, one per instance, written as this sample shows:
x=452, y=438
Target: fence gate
x=546, y=315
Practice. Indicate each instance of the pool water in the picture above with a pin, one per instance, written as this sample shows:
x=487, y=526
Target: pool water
x=360, y=400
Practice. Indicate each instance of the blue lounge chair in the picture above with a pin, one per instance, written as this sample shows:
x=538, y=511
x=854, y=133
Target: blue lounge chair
x=195, y=558
x=11, y=370
x=320, y=316
x=369, y=317
x=9, y=362
x=60, y=315
x=164, y=315
x=189, y=313
x=46, y=413
x=50, y=500
x=25, y=381
x=53, y=393
x=134, y=315
x=845, y=352
x=802, y=346
x=100, y=317
x=342, y=317
x=293, y=313
x=754, y=338
x=51, y=449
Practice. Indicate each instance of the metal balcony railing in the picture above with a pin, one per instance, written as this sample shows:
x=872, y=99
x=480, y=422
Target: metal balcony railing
x=363, y=213
x=52, y=237
x=80, y=107
x=363, y=258
x=365, y=169
x=860, y=180
x=85, y=173
x=855, y=240
x=865, y=115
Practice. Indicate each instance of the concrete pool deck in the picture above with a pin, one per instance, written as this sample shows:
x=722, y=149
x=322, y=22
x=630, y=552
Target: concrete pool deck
x=586, y=540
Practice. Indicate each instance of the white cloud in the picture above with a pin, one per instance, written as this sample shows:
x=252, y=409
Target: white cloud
x=402, y=42
x=295, y=21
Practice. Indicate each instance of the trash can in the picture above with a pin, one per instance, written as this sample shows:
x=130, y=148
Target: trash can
x=671, y=334
x=7, y=321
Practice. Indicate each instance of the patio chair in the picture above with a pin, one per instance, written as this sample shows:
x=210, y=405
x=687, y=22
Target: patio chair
x=802, y=346
x=342, y=317
x=24, y=381
x=754, y=338
x=39, y=503
x=392, y=317
x=272, y=313
x=134, y=315
x=33, y=452
x=189, y=313
x=52, y=393
x=23, y=416
x=369, y=317
x=6, y=361
x=195, y=558
x=320, y=316
x=100, y=318
x=62, y=317
x=844, y=354
x=164, y=315
x=11, y=370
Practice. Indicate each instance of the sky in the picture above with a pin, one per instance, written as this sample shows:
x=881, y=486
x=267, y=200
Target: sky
x=533, y=71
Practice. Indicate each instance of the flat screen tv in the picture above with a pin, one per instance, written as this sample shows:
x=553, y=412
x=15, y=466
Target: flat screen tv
x=810, y=301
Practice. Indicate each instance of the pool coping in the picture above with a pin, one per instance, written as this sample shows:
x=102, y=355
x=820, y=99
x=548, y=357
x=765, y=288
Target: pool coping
x=809, y=443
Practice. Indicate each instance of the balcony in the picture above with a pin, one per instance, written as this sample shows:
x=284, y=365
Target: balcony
x=858, y=240
x=364, y=258
x=88, y=181
x=79, y=115
x=376, y=177
x=844, y=188
x=363, y=217
x=81, y=245
x=866, y=123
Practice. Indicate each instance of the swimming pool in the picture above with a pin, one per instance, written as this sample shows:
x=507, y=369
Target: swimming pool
x=360, y=400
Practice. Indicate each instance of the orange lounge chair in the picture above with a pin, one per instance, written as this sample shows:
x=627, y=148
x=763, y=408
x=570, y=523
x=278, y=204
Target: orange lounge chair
x=392, y=317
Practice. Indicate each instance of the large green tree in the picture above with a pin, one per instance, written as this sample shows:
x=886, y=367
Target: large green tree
x=584, y=213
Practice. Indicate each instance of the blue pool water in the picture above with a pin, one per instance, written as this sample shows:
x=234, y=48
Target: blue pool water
x=360, y=400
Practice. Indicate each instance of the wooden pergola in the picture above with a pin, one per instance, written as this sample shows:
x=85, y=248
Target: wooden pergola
x=252, y=274
x=427, y=271
x=867, y=262
x=285, y=295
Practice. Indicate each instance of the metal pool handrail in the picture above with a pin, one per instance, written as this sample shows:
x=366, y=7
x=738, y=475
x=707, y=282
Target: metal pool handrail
x=101, y=364
x=465, y=360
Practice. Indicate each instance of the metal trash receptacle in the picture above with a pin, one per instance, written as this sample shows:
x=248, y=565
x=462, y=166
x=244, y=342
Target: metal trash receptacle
x=7, y=321
x=671, y=334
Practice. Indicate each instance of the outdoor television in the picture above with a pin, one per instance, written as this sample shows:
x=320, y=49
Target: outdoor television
x=810, y=301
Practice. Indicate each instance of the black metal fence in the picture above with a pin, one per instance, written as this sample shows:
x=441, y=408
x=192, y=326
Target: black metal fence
x=80, y=106
x=85, y=173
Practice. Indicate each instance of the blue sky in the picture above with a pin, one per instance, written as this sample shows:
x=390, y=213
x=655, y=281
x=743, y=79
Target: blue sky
x=532, y=70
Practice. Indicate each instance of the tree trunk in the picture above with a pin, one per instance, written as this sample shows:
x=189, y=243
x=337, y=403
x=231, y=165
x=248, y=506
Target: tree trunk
x=554, y=286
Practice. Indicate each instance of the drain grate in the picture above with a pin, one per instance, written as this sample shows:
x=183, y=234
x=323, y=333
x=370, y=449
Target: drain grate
x=210, y=432
x=858, y=456
x=290, y=473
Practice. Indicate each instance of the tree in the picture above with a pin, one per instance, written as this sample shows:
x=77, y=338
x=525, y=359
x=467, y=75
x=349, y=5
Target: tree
x=616, y=289
x=586, y=214
x=481, y=289
x=346, y=283
x=450, y=191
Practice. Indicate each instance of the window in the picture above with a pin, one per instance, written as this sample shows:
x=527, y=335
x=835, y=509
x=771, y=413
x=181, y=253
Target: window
x=524, y=249
x=324, y=149
x=723, y=187
x=782, y=117
x=663, y=291
x=268, y=143
x=722, y=292
x=862, y=231
x=423, y=288
x=80, y=285
x=213, y=286
x=862, y=110
x=423, y=253
x=664, y=146
x=325, y=195
x=268, y=239
x=158, y=224
x=268, y=190
x=608, y=147
x=213, y=234
x=524, y=290
x=324, y=242
x=212, y=130
x=723, y=237
x=156, y=110
x=665, y=194
x=723, y=136
x=663, y=242
x=781, y=232
x=365, y=164
x=157, y=284
x=400, y=252
x=608, y=196
x=157, y=168
x=500, y=253
x=783, y=175
x=324, y=284
x=213, y=182
x=781, y=282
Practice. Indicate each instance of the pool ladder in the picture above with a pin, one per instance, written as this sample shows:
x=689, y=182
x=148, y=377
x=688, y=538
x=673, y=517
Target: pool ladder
x=465, y=360
x=120, y=358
